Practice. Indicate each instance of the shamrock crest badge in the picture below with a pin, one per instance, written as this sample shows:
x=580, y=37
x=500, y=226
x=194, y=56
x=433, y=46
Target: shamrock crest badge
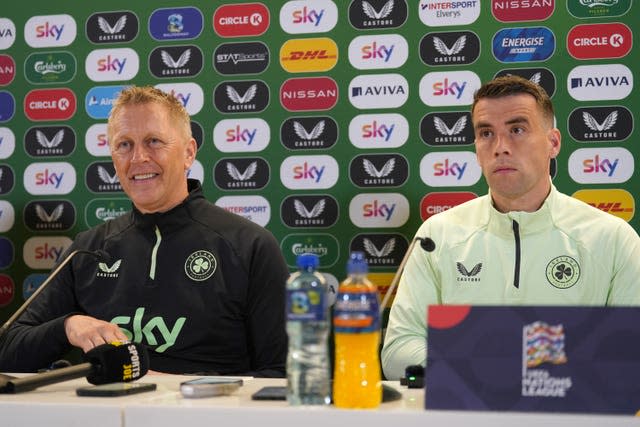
x=200, y=265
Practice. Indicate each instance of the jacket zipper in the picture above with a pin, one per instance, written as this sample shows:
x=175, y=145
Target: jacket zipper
x=516, y=273
x=154, y=254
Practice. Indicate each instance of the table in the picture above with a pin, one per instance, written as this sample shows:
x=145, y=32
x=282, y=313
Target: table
x=57, y=405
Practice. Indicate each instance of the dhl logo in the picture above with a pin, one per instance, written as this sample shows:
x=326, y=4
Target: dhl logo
x=615, y=201
x=308, y=55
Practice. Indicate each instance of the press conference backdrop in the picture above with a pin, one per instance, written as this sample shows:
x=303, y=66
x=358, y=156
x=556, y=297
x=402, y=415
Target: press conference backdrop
x=338, y=125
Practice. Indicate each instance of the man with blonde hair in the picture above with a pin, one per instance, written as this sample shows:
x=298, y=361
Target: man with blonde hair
x=201, y=287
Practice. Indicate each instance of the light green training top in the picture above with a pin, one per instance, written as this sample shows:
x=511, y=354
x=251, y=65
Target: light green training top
x=565, y=253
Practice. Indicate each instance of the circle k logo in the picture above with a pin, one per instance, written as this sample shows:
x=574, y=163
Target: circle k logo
x=50, y=104
x=434, y=203
x=598, y=41
x=241, y=20
x=309, y=94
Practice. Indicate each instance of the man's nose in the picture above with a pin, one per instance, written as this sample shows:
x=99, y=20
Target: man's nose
x=140, y=153
x=502, y=144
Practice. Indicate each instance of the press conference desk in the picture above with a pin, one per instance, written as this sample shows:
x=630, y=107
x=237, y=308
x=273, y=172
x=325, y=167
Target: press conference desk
x=57, y=405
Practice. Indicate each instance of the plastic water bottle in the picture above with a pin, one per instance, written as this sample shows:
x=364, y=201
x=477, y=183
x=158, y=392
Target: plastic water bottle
x=308, y=330
x=356, y=321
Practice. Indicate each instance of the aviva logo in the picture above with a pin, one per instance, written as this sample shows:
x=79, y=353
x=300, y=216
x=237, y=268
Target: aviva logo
x=105, y=270
x=308, y=55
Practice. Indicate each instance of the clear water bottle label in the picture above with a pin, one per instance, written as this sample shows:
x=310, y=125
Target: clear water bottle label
x=306, y=305
x=356, y=312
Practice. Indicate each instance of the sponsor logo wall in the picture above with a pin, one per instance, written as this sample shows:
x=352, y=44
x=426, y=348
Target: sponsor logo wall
x=337, y=125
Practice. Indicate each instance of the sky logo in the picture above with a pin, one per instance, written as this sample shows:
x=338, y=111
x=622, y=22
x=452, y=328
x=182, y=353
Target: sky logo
x=49, y=178
x=378, y=52
x=189, y=94
x=450, y=169
x=41, y=253
x=379, y=210
x=50, y=30
x=448, y=88
x=7, y=216
x=99, y=100
x=241, y=135
x=308, y=16
x=378, y=130
x=96, y=142
x=309, y=172
x=104, y=65
x=601, y=165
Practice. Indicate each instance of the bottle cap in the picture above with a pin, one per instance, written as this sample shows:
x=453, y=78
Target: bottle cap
x=307, y=260
x=357, y=263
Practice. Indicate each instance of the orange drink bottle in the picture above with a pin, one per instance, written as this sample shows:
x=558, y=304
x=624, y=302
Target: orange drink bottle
x=356, y=321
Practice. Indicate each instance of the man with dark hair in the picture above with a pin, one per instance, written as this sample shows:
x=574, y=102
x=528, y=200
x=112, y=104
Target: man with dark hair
x=201, y=287
x=524, y=243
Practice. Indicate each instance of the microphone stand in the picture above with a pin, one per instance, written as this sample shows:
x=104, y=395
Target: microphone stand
x=426, y=244
x=27, y=303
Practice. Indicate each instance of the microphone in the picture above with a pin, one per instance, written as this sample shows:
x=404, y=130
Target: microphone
x=99, y=254
x=107, y=363
x=427, y=245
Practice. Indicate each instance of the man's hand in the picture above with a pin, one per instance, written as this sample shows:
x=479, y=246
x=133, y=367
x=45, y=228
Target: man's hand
x=88, y=332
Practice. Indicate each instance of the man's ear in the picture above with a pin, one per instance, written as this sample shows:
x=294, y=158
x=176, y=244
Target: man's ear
x=190, y=153
x=554, y=137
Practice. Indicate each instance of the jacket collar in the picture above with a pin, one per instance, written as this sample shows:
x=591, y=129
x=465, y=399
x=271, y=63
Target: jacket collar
x=529, y=222
x=174, y=218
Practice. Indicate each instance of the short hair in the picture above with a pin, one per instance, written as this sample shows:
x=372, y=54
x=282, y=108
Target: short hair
x=515, y=85
x=139, y=95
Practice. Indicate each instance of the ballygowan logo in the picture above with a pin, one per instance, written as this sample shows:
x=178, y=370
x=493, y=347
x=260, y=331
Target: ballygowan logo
x=175, y=61
x=305, y=133
x=241, y=58
x=381, y=250
x=249, y=96
x=309, y=211
x=112, y=27
x=540, y=76
x=101, y=178
x=7, y=179
x=376, y=14
x=590, y=124
x=50, y=141
x=468, y=275
x=450, y=48
x=49, y=215
x=379, y=170
x=247, y=173
x=447, y=128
